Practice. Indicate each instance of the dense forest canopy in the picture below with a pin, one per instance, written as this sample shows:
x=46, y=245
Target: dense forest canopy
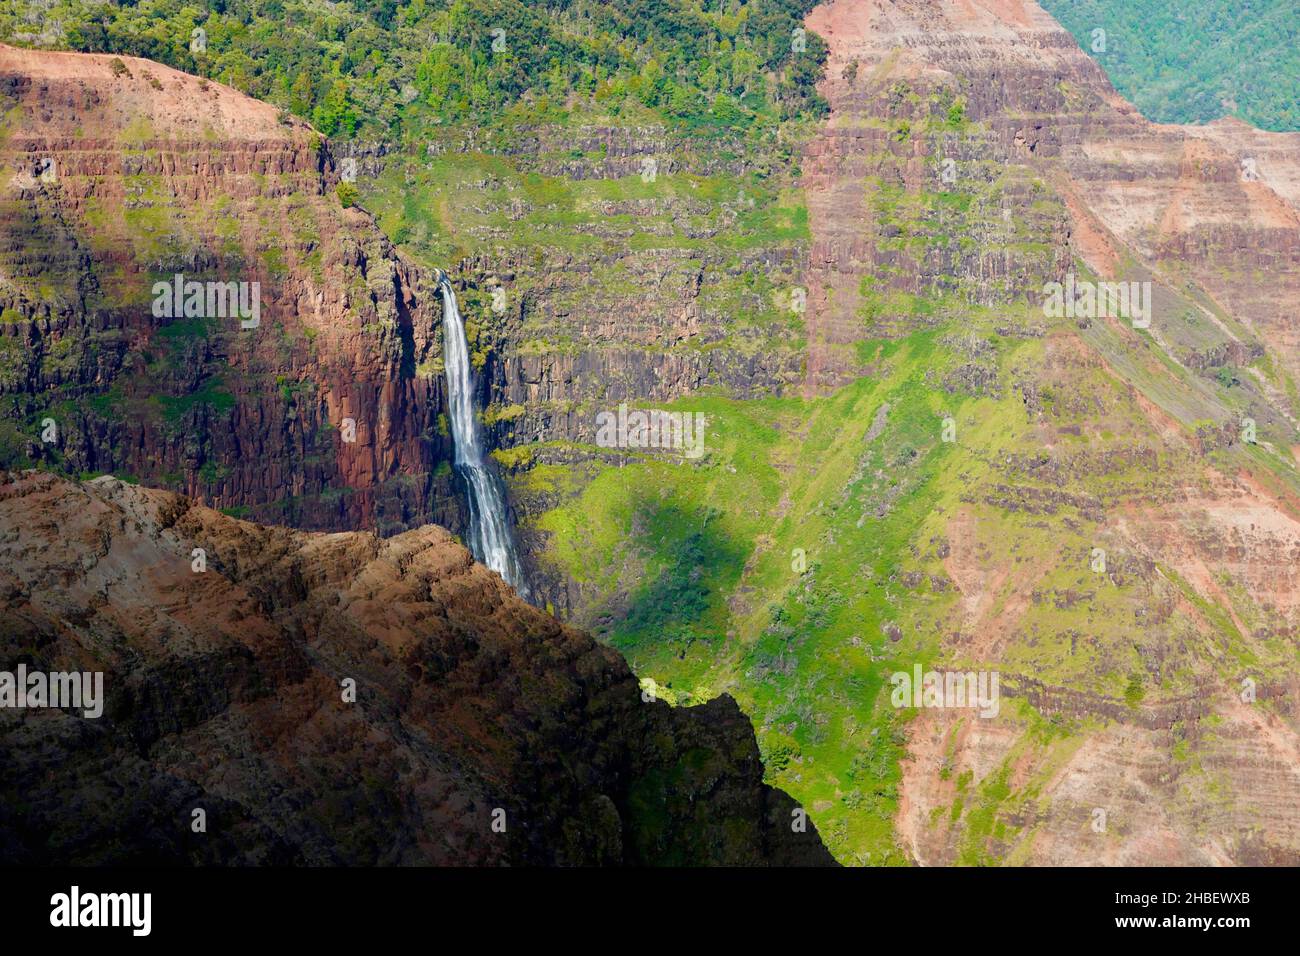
x=354, y=67
x=371, y=67
x=1184, y=62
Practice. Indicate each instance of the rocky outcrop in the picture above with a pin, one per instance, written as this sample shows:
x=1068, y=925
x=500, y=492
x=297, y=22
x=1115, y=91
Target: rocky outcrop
x=481, y=730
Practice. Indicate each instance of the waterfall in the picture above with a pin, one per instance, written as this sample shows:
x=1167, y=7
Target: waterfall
x=490, y=536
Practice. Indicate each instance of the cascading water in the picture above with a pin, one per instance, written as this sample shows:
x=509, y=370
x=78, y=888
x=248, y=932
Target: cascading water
x=489, y=531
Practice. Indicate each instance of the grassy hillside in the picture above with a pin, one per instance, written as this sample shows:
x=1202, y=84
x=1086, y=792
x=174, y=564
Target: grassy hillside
x=823, y=545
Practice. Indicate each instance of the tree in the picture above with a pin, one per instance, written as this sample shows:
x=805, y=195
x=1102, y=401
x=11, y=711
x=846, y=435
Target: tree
x=335, y=114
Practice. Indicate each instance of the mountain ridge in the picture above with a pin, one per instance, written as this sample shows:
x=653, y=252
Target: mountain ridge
x=476, y=730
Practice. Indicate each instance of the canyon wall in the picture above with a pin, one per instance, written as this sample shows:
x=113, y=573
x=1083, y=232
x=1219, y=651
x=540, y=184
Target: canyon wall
x=1167, y=450
x=118, y=173
x=972, y=155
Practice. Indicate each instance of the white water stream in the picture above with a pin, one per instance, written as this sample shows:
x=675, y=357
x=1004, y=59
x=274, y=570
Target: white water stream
x=490, y=536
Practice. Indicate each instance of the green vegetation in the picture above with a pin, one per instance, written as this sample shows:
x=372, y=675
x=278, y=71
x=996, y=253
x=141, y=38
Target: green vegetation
x=1184, y=62
x=821, y=545
x=211, y=394
x=348, y=195
x=941, y=508
x=445, y=208
x=806, y=650
x=374, y=68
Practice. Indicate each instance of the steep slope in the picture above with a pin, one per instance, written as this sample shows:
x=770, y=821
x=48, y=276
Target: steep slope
x=321, y=411
x=1198, y=573
x=481, y=731
x=1215, y=205
x=923, y=466
x=1102, y=511
x=608, y=258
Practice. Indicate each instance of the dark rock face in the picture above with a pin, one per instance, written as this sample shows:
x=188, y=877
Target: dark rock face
x=226, y=691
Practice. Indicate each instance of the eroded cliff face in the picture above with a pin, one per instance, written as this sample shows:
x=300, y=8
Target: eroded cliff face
x=481, y=731
x=1208, y=212
x=608, y=258
x=1167, y=451
x=637, y=292
x=118, y=173
x=973, y=153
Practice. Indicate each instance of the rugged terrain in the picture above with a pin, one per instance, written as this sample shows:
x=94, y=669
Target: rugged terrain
x=119, y=173
x=908, y=461
x=227, y=691
x=1106, y=515
x=1208, y=545
x=607, y=257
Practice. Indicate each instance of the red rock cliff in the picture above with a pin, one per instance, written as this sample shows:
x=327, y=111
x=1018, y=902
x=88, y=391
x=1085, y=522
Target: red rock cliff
x=119, y=173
